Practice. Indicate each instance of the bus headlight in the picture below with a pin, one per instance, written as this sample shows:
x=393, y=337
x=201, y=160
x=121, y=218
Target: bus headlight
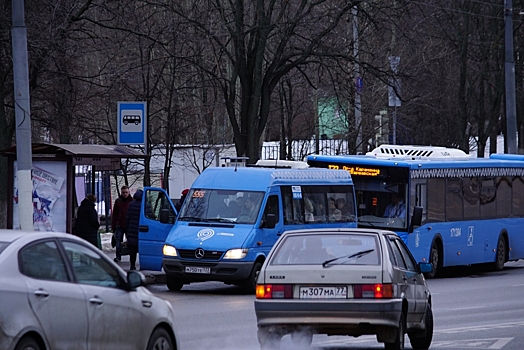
x=236, y=254
x=169, y=250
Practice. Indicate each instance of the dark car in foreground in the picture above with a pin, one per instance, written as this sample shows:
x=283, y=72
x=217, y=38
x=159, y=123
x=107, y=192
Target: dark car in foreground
x=58, y=291
x=343, y=282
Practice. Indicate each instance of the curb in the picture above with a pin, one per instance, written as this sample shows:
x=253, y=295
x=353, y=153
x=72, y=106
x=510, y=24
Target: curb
x=152, y=277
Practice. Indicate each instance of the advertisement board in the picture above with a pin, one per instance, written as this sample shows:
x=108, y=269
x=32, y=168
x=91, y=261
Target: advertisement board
x=49, y=196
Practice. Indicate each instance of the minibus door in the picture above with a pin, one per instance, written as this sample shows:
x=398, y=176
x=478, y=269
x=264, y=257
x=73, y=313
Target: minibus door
x=152, y=233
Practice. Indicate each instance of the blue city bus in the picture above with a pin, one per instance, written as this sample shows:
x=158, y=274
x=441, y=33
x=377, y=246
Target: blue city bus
x=458, y=209
x=231, y=218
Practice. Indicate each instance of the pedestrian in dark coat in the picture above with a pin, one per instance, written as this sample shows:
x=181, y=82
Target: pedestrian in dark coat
x=118, y=218
x=179, y=203
x=87, y=224
x=132, y=224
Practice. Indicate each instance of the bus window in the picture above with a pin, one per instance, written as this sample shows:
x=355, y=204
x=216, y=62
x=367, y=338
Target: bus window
x=518, y=196
x=487, y=199
x=419, y=197
x=454, y=199
x=471, y=191
x=503, y=197
x=314, y=204
x=436, y=200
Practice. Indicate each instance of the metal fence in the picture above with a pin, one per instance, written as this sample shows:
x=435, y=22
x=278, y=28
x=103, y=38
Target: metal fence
x=303, y=148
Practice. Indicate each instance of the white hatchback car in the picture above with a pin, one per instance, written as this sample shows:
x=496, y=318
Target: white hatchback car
x=343, y=282
x=59, y=292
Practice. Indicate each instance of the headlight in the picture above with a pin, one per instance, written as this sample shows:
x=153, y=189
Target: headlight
x=169, y=250
x=236, y=254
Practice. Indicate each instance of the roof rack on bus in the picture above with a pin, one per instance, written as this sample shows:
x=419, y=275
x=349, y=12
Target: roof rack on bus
x=417, y=152
x=279, y=163
x=234, y=161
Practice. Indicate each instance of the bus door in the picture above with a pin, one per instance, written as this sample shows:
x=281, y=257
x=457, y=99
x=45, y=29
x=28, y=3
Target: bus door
x=152, y=233
x=271, y=234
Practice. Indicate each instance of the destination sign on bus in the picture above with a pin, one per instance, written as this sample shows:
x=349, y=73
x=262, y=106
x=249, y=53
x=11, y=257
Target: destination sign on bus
x=357, y=170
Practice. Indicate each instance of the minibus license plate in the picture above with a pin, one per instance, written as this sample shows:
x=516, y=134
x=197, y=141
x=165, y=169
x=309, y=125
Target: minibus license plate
x=325, y=292
x=191, y=269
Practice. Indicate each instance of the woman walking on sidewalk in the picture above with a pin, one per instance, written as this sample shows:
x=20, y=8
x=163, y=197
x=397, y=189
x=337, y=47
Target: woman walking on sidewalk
x=132, y=224
x=86, y=223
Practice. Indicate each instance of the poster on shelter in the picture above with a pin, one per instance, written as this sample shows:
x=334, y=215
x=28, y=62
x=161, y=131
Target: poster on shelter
x=49, y=196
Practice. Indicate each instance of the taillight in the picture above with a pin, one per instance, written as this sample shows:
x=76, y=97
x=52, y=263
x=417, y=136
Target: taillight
x=274, y=291
x=376, y=291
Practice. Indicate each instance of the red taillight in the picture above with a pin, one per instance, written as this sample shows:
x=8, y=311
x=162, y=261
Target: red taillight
x=274, y=291
x=376, y=291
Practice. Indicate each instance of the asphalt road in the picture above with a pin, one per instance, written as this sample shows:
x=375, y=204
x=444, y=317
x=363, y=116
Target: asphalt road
x=472, y=310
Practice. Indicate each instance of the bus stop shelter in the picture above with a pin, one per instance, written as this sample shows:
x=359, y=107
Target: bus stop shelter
x=53, y=175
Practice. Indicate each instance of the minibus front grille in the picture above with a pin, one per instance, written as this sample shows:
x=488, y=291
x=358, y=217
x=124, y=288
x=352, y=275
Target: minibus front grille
x=195, y=254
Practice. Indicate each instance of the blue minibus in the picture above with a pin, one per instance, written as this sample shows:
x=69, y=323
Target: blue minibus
x=231, y=218
x=450, y=208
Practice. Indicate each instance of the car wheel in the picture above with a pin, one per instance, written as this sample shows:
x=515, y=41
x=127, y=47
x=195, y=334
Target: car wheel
x=434, y=259
x=398, y=344
x=422, y=341
x=251, y=283
x=160, y=340
x=27, y=343
x=500, y=258
x=173, y=284
x=268, y=340
x=302, y=340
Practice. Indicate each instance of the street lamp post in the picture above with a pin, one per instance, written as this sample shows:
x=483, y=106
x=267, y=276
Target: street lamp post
x=509, y=73
x=23, y=117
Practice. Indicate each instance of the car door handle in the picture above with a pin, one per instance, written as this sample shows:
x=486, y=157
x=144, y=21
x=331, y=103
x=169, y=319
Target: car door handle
x=41, y=293
x=146, y=303
x=143, y=228
x=96, y=300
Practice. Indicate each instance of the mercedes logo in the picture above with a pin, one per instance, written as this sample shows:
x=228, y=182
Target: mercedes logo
x=199, y=253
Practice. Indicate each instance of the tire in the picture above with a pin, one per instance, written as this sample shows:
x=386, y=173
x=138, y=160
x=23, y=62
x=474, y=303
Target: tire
x=398, y=344
x=160, y=340
x=435, y=260
x=28, y=343
x=268, y=340
x=251, y=283
x=302, y=340
x=500, y=257
x=422, y=341
x=173, y=284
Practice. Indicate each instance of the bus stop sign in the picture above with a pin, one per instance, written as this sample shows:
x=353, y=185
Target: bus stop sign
x=131, y=123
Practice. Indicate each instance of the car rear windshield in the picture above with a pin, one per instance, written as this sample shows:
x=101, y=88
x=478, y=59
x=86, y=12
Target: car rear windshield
x=334, y=249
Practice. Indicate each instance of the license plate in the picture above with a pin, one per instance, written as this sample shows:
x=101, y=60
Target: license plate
x=190, y=269
x=326, y=292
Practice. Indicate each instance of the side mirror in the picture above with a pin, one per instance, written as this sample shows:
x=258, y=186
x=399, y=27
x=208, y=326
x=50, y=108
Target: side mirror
x=271, y=221
x=416, y=219
x=425, y=267
x=135, y=279
x=164, y=216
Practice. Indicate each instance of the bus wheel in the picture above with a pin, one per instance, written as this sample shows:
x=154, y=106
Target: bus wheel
x=173, y=284
x=434, y=259
x=500, y=258
x=251, y=283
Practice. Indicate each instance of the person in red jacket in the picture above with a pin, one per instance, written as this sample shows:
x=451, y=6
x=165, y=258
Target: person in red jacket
x=118, y=218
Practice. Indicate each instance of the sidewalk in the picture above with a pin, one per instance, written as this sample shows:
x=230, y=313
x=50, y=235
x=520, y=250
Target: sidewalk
x=151, y=276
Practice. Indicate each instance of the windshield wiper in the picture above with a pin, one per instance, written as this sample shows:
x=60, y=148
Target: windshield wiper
x=221, y=220
x=190, y=218
x=356, y=255
x=367, y=222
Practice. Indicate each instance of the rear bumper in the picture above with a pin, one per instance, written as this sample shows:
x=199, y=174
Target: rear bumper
x=222, y=271
x=348, y=317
